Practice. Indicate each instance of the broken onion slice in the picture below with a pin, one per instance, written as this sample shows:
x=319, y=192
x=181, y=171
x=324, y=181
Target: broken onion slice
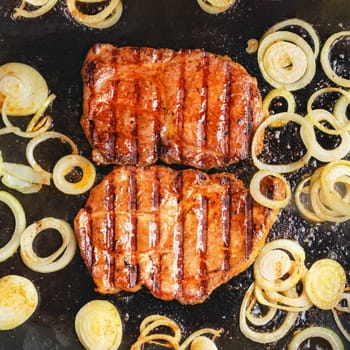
x=98, y=326
x=18, y=301
x=24, y=88
x=325, y=283
x=57, y=260
x=20, y=224
x=213, y=7
x=44, y=6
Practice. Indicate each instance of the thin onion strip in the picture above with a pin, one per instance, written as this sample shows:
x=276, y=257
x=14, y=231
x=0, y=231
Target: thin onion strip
x=43, y=9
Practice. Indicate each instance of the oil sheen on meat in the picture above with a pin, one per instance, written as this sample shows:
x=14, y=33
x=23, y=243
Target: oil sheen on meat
x=179, y=233
x=188, y=107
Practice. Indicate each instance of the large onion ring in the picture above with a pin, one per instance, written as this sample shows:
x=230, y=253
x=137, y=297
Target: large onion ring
x=68, y=163
x=284, y=118
x=24, y=88
x=325, y=62
x=20, y=224
x=98, y=326
x=286, y=60
x=18, y=301
x=57, y=260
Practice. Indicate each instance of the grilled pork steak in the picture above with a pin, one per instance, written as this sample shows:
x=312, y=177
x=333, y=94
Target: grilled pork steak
x=189, y=107
x=181, y=234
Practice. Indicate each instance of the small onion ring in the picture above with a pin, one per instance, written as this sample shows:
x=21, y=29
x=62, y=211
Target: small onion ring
x=259, y=197
x=325, y=62
x=284, y=118
x=325, y=283
x=57, y=260
x=20, y=224
x=41, y=138
x=98, y=326
x=198, y=343
x=303, y=47
x=18, y=301
x=65, y=165
x=43, y=9
x=316, y=332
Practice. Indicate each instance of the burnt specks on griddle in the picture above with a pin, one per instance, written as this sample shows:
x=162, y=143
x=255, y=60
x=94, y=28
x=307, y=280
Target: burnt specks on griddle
x=181, y=234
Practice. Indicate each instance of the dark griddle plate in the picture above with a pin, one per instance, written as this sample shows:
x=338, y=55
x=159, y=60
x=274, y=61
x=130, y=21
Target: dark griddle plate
x=56, y=46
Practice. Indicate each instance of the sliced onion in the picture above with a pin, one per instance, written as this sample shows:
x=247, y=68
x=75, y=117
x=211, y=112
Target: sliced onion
x=340, y=108
x=263, y=337
x=41, y=138
x=325, y=283
x=284, y=118
x=200, y=342
x=24, y=88
x=20, y=185
x=316, y=332
x=300, y=23
x=44, y=7
x=344, y=297
x=18, y=301
x=319, y=152
x=67, y=164
x=98, y=326
x=273, y=280
x=258, y=196
x=286, y=60
x=57, y=260
x=26, y=173
x=203, y=343
x=20, y=224
x=325, y=59
x=214, y=7
x=112, y=10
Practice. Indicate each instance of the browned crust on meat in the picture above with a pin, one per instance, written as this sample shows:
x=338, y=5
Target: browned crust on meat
x=189, y=107
x=181, y=234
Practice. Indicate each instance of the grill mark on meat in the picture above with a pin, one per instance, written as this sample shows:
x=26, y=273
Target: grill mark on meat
x=132, y=239
x=134, y=131
x=203, y=244
x=224, y=126
x=156, y=273
x=203, y=113
x=156, y=107
x=226, y=221
x=180, y=102
x=179, y=238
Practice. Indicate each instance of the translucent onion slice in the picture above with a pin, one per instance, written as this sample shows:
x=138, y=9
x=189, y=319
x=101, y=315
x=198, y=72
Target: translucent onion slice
x=57, y=260
x=322, y=154
x=300, y=23
x=44, y=126
x=339, y=324
x=112, y=10
x=269, y=276
x=344, y=297
x=20, y=185
x=334, y=173
x=18, y=301
x=263, y=337
x=20, y=224
x=258, y=196
x=43, y=8
x=26, y=173
x=24, y=88
x=66, y=165
x=214, y=7
x=316, y=332
x=325, y=283
x=98, y=326
x=284, y=118
x=200, y=342
x=325, y=59
x=41, y=138
x=340, y=108
x=286, y=60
